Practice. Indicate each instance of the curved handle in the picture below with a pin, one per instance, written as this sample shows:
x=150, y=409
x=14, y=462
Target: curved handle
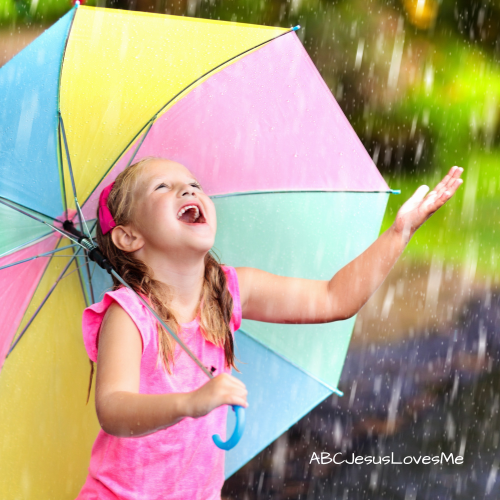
x=237, y=433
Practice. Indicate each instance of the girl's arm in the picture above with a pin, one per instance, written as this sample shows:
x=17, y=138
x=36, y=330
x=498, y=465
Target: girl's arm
x=121, y=410
x=278, y=299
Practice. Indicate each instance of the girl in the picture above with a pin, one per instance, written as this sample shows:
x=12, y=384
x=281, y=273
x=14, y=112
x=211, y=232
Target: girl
x=156, y=227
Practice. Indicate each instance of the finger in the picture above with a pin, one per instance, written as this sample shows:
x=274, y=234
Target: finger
x=234, y=382
x=444, y=183
x=441, y=186
x=445, y=179
x=420, y=193
x=235, y=399
x=449, y=191
x=456, y=172
x=448, y=180
x=240, y=402
x=431, y=203
x=436, y=201
x=237, y=382
x=455, y=186
x=240, y=391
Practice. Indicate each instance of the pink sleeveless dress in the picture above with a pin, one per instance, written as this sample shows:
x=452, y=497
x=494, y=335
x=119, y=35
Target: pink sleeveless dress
x=180, y=462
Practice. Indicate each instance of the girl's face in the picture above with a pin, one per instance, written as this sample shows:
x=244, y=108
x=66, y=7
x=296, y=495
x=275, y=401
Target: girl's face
x=171, y=212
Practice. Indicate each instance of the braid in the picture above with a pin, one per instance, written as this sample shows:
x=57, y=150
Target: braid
x=218, y=307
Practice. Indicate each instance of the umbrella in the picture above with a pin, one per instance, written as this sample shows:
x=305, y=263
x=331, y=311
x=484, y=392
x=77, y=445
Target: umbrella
x=245, y=109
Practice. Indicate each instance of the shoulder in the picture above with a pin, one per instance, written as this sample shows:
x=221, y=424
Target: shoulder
x=231, y=278
x=117, y=304
x=120, y=336
x=245, y=277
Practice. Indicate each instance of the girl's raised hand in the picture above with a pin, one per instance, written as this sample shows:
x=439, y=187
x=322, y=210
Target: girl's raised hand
x=224, y=389
x=420, y=207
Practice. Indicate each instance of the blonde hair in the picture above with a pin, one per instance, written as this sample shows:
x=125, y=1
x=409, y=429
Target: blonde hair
x=216, y=304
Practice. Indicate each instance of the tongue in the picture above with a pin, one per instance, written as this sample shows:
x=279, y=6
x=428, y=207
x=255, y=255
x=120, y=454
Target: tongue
x=188, y=216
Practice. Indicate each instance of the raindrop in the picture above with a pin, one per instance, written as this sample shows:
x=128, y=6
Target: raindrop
x=397, y=55
x=359, y=53
x=492, y=477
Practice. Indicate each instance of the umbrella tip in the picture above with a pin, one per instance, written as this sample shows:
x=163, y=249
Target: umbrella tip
x=295, y=28
x=395, y=191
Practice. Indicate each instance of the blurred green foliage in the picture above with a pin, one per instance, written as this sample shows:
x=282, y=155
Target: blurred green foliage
x=418, y=79
x=38, y=12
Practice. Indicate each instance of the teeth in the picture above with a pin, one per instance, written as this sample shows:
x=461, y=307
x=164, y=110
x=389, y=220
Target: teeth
x=184, y=209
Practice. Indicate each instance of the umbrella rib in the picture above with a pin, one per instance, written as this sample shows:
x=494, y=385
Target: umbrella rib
x=65, y=201
x=45, y=254
x=150, y=121
x=285, y=191
x=38, y=309
x=74, y=271
x=93, y=270
x=25, y=244
x=83, y=223
x=89, y=275
x=68, y=255
x=64, y=233
x=91, y=287
x=27, y=208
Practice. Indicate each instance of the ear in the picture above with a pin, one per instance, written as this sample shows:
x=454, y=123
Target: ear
x=127, y=238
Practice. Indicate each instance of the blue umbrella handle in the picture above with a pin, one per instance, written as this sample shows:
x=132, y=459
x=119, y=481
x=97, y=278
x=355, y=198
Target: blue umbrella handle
x=237, y=433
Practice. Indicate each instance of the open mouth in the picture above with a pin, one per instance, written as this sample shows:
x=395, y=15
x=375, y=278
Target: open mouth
x=191, y=214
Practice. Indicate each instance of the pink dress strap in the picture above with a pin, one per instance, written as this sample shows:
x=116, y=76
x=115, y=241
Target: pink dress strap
x=234, y=290
x=94, y=315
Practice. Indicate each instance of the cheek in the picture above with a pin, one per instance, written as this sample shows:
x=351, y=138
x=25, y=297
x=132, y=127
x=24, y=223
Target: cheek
x=154, y=216
x=210, y=206
x=213, y=214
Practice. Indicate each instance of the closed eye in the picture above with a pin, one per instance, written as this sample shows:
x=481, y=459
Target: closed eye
x=194, y=184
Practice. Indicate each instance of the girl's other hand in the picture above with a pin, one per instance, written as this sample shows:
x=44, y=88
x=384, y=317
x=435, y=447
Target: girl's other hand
x=420, y=207
x=224, y=389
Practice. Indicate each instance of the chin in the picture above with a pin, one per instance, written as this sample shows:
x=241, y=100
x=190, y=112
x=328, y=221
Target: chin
x=203, y=248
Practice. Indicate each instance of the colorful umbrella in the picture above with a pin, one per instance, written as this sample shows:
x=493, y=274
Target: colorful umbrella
x=245, y=109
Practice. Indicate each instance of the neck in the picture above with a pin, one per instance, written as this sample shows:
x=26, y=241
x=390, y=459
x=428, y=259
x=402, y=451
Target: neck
x=184, y=276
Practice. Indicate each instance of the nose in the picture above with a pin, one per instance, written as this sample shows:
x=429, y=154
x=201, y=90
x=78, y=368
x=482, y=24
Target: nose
x=188, y=190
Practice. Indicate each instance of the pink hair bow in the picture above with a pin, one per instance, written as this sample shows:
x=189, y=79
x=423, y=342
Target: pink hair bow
x=105, y=218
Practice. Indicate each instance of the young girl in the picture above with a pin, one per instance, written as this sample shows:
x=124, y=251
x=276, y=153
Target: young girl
x=156, y=408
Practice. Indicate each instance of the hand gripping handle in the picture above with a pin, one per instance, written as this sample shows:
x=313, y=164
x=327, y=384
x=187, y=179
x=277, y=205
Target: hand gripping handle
x=237, y=433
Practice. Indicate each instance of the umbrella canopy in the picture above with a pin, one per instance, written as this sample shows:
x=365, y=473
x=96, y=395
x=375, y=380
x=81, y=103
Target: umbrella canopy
x=244, y=108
